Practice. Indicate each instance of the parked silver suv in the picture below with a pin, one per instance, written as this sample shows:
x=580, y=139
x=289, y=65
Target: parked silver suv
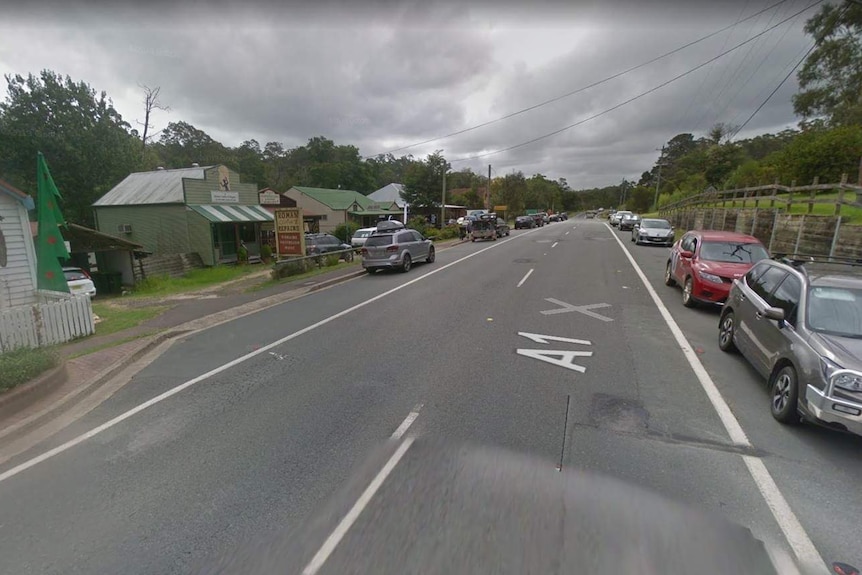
x=396, y=247
x=798, y=321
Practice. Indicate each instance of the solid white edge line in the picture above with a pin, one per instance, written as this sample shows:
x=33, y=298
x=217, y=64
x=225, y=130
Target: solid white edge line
x=348, y=520
x=553, y=245
x=799, y=541
x=408, y=421
x=523, y=279
x=173, y=391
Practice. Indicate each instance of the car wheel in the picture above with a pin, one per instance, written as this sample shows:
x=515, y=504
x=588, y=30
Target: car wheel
x=726, y=329
x=406, y=264
x=687, y=289
x=668, y=277
x=431, y=256
x=785, y=396
x=370, y=271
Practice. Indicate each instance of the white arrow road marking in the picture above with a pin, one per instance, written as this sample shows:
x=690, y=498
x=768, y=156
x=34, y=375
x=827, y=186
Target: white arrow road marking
x=584, y=309
x=539, y=338
x=276, y=355
x=561, y=358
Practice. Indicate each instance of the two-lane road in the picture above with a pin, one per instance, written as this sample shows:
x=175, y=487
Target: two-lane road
x=546, y=343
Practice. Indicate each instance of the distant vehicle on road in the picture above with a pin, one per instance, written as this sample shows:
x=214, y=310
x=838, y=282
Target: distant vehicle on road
x=654, y=232
x=540, y=221
x=590, y=215
x=484, y=228
x=502, y=228
x=628, y=222
x=564, y=216
x=799, y=323
x=393, y=246
x=554, y=218
x=705, y=263
x=524, y=222
x=617, y=216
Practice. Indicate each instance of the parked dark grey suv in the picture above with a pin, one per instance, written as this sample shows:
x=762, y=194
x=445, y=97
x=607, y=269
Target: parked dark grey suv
x=799, y=323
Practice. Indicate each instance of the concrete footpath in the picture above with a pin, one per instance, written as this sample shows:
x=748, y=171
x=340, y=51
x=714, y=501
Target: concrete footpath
x=98, y=363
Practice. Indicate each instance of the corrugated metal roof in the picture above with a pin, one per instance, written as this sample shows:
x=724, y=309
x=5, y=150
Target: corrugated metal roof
x=335, y=199
x=388, y=193
x=156, y=187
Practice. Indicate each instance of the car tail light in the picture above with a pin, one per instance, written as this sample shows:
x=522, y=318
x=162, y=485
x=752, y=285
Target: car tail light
x=86, y=273
x=392, y=248
x=363, y=251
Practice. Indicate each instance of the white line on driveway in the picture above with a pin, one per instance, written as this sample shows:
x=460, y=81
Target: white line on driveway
x=408, y=421
x=798, y=539
x=183, y=386
x=344, y=525
x=523, y=279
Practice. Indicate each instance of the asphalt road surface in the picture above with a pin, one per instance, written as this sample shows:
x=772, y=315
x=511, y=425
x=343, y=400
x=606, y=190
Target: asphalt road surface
x=546, y=346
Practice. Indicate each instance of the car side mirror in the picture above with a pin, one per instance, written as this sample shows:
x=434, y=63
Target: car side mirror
x=686, y=254
x=775, y=313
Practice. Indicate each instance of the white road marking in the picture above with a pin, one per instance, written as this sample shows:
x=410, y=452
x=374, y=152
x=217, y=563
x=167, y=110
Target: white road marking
x=567, y=233
x=408, y=421
x=584, y=309
x=523, y=279
x=344, y=525
x=539, y=338
x=183, y=386
x=563, y=358
x=799, y=541
x=553, y=245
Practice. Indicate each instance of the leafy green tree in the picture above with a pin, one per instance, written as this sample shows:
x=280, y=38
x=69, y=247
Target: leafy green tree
x=88, y=145
x=640, y=199
x=181, y=145
x=830, y=81
x=826, y=154
x=423, y=181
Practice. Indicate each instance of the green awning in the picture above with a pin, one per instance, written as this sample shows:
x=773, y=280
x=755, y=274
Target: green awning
x=221, y=214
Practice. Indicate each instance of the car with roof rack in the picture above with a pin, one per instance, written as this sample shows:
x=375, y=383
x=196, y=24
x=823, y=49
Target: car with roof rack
x=798, y=320
x=394, y=246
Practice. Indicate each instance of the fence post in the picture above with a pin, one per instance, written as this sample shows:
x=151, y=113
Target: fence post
x=790, y=196
x=812, y=195
x=799, y=234
x=835, y=237
x=754, y=220
x=712, y=221
x=724, y=220
x=774, y=225
x=774, y=193
x=840, y=201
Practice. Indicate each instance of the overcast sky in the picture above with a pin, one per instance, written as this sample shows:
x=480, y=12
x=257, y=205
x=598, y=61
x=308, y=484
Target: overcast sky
x=382, y=75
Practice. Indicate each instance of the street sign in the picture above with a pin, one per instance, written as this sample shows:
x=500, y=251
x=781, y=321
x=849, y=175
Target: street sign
x=501, y=208
x=289, y=236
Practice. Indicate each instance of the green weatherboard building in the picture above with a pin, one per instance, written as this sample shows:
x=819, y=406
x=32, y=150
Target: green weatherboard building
x=203, y=209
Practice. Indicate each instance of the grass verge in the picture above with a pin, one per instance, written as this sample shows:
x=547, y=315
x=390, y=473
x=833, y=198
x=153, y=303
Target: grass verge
x=195, y=279
x=270, y=282
x=22, y=365
x=116, y=318
x=114, y=343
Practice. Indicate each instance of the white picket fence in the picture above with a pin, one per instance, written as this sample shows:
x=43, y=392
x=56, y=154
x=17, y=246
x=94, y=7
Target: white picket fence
x=50, y=322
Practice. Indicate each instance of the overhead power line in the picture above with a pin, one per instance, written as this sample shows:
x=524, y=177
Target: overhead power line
x=642, y=94
x=582, y=89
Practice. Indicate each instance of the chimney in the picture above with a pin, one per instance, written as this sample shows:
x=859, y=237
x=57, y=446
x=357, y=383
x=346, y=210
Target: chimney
x=196, y=165
x=160, y=168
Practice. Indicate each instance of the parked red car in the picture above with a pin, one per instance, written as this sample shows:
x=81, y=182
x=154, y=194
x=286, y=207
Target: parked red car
x=705, y=263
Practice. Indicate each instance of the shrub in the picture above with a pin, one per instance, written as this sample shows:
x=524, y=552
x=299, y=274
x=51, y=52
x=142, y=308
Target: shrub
x=419, y=224
x=291, y=268
x=343, y=230
x=449, y=232
x=265, y=252
x=332, y=259
x=242, y=255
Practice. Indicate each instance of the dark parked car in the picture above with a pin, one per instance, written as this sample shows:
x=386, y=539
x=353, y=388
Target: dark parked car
x=502, y=228
x=705, y=263
x=655, y=232
x=628, y=222
x=539, y=219
x=524, y=222
x=799, y=323
x=319, y=244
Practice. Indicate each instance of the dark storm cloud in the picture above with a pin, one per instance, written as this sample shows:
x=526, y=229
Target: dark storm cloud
x=380, y=75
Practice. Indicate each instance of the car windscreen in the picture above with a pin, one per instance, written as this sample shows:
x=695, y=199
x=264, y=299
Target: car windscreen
x=362, y=234
x=733, y=252
x=378, y=241
x=656, y=224
x=73, y=275
x=836, y=311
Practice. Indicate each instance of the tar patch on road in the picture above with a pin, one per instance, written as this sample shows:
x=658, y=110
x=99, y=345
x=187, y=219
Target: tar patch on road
x=618, y=414
x=523, y=261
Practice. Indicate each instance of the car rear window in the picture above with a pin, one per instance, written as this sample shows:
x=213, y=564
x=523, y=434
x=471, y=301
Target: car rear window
x=73, y=275
x=362, y=234
x=383, y=240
